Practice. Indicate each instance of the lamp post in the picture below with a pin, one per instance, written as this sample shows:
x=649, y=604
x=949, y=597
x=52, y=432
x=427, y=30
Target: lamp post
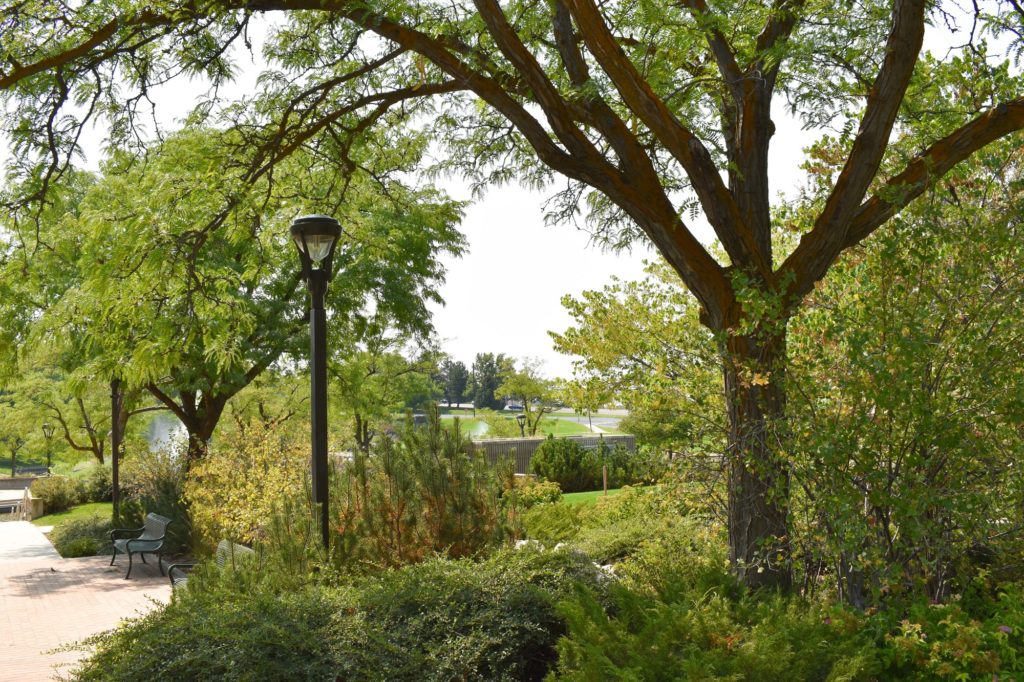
x=316, y=237
x=48, y=434
x=521, y=418
x=115, y=446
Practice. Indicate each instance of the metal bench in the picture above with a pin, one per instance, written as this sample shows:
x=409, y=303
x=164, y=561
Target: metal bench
x=228, y=553
x=148, y=539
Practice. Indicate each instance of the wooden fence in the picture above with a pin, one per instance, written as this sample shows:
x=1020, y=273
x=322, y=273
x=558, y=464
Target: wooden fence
x=522, y=449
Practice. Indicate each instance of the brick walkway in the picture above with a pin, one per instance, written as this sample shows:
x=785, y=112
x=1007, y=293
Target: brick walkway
x=49, y=602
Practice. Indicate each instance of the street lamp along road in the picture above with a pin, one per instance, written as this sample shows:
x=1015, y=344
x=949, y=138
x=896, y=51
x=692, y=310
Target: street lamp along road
x=48, y=433
x=316, y=237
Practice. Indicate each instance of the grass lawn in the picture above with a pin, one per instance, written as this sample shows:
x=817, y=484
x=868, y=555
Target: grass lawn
x=81, y=511
x=591, y=497
x=561, y=427
x=476, y=428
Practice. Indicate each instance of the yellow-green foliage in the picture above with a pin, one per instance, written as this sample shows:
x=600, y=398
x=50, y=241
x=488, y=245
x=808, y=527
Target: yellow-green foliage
x=233, y=491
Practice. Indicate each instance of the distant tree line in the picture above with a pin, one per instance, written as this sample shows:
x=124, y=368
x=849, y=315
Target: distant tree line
x=455, y=383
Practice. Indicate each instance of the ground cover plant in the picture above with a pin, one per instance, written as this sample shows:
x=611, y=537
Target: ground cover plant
x=639, y=589
x=438, y=620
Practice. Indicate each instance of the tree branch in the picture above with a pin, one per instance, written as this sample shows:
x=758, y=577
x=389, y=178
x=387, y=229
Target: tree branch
x=718, y=203
x=169, y=402
x=544, y=92
x=920, y=174
x=819, y=248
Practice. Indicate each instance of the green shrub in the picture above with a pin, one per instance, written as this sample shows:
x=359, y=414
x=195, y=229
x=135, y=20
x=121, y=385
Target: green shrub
x=80, y=547
x=426, y=493
x=86, y=536
x=58, y=493
x=153, y=482
x=552, y=523
x=222, y=634
x=97, y=485
x=439, y=620
x=708, y=637
x=946, y=642
x=645, y=465
x=564, y=461
x=446, y=620
x=526, y=492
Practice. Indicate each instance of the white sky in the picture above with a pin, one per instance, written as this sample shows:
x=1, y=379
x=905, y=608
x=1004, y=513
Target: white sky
x=503, y=295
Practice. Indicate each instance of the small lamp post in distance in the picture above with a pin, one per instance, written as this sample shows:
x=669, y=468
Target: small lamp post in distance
x=48, y=434
x=316, y=237
x=521, y=418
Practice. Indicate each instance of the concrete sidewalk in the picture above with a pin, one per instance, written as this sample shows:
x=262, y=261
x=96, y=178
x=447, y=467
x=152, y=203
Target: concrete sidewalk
x=48, y=602
x=21, y=541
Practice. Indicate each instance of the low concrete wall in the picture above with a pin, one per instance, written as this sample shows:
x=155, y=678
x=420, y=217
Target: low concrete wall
x=18, y=483
x=31, y=507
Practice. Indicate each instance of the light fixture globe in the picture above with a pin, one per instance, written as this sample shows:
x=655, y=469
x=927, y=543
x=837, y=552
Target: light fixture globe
x=316, y=237
x=48, y=430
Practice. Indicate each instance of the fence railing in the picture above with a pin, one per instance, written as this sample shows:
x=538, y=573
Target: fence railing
x=522, y=449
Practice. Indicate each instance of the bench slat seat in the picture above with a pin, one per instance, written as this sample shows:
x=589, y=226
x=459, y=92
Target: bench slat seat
x=138, y=545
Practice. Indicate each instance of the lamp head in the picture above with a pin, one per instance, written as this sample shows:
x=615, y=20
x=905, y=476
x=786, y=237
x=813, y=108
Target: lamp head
x=316, y=237
x=48, y=430
x=521, y=418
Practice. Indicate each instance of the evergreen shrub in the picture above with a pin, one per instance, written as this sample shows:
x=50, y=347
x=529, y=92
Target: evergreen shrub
x=438, y=620
x=567, y=463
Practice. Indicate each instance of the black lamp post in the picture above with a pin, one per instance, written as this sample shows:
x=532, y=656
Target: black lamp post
x=48, y=433
x=316, y=237
x=521, y=418
x=115, y=446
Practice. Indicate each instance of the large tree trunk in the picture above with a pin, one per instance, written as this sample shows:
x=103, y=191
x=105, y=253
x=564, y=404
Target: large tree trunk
x=199, y=435
x=758, y=481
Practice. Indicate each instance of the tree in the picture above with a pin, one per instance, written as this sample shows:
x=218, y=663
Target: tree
x=373, y=382
x=489, y=370
x=585, y=396
x=453, y=379
x=906, y=400
x=536, y=394
x=642, y=342
x=188, y=287
x=644, y=134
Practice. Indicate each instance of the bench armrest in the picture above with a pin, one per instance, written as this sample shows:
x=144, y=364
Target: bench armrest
x=114, y=533
x=183, y=568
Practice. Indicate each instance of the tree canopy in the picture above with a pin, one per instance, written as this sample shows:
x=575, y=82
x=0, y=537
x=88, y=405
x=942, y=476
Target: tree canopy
x=185, y=285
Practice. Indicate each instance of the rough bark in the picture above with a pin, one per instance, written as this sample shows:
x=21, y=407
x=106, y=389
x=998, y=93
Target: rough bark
x=758, y=514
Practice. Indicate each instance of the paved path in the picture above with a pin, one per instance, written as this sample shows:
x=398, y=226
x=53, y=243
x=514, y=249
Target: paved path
x=47, y=602
x=21, y=541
